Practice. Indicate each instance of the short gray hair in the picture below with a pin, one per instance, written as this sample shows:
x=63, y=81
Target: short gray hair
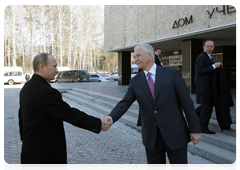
x=39, y=59
x=146, y=49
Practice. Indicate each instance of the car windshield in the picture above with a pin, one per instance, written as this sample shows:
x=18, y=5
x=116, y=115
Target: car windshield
x=102, y=75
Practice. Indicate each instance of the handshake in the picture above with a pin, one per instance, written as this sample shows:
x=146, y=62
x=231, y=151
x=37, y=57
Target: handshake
x=106, y=123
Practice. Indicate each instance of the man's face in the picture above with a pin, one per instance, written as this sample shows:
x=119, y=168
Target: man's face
x=158, y=52
x=209, y=47
x=142, y=60
x=50, y=70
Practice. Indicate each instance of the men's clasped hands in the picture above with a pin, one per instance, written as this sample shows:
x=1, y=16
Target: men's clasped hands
x=106, y=123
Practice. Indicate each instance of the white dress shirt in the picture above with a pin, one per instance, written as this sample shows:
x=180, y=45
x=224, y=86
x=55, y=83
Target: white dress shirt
x=209, y=55
x=152, y=71
x=153, y=75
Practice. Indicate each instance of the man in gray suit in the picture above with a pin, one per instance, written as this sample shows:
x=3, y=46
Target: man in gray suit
x=162, y=94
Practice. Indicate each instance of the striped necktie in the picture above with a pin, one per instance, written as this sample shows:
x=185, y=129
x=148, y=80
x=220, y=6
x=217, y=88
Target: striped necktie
x=212, y=59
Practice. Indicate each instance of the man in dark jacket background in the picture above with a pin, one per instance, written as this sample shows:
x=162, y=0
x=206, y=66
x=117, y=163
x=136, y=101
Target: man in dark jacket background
x=41, y=115
x=204, y=68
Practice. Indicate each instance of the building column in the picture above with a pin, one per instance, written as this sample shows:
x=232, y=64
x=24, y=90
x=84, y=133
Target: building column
x=124, y=67
x=191, y=48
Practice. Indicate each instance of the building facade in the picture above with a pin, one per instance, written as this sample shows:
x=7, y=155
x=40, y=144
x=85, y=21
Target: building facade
x=178, y=30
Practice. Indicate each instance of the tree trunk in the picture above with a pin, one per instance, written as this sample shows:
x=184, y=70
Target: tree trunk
x=5, y=51
x=75, y=56
x=31, y=29
x=23, y=54
x=70, y=39
x=9, y=40
x=60, y=34
x=13, y=36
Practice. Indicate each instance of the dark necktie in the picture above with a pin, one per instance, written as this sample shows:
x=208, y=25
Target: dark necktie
x=212, y=59
x=150, y=84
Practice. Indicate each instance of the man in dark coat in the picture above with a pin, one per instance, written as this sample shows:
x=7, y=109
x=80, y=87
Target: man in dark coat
x=204, y=68
x=161, y=97
x=41, y=115
x=158, y=53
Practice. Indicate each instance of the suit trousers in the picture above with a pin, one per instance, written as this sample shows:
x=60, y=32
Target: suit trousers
x=206, y=110
x=157, y=155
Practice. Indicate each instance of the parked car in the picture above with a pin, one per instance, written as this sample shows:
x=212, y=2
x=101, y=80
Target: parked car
x=72, y=76
x=98, y=78
x=13, y=75
x=114, y=73
x=59, y=70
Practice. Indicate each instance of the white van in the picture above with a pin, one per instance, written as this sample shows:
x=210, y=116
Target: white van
x=114, y=74
x=13, y=75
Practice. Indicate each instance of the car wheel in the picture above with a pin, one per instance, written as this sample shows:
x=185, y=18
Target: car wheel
x=10, y=82
x=99, y=81
x=56, y=81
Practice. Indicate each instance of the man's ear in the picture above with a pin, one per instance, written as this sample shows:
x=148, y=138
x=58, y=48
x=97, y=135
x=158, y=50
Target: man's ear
x=150, y=54
x=41, y=67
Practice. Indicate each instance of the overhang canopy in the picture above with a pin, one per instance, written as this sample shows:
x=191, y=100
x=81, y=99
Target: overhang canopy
x=221, y=35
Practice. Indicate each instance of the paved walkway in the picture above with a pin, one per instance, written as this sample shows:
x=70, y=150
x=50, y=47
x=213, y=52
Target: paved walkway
x=120, y=145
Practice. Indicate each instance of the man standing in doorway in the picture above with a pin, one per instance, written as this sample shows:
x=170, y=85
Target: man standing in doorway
x=158, y=53
x=204, y=68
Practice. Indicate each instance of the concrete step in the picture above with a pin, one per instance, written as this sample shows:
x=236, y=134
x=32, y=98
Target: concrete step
x=109, y=100
x=103, y=102
x=103, y=97
x=220, y=140
x=232, y=108
x=96, y=99
x=212, y=153
x=213, y=126
x=104, y=105
x=126, y=118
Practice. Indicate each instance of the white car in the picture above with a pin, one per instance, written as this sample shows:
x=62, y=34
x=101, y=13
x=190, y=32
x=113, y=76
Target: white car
x=114, y=73
x=13, y=75
x=98, y=78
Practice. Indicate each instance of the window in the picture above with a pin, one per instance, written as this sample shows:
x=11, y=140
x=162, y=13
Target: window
x=13, y=73
x=83, y=73
x=134, y=70
x=115, y=71
x=7, y=74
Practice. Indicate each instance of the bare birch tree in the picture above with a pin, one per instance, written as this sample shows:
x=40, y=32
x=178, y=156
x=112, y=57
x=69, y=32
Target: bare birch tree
x=73, y=34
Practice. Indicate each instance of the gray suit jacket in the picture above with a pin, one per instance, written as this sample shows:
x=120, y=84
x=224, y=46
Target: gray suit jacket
x=171, y=96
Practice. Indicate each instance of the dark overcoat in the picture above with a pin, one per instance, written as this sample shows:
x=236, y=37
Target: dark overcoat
x=222, y=99
x=203, y=74
x=41, y=115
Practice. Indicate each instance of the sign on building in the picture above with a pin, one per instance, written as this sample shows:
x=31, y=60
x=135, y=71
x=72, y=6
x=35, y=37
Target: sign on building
x=175, y=60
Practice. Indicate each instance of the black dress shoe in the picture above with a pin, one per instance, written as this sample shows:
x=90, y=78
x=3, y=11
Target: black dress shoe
x=208, y=132
x=139, y=124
